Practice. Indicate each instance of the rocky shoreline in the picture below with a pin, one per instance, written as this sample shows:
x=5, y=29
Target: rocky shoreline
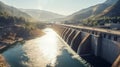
x=8, y=40
x=11, y=34
x=3, y=63
x=4, y=45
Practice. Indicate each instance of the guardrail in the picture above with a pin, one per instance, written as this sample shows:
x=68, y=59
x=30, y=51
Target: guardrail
x=105, y=33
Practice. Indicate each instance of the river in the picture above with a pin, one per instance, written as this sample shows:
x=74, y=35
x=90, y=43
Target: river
x=45, y=51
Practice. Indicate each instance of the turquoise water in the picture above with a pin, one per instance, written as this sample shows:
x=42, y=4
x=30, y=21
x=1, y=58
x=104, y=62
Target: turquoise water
x=46, y=51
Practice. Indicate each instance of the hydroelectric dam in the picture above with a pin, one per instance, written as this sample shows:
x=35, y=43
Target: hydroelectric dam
x=88, y=41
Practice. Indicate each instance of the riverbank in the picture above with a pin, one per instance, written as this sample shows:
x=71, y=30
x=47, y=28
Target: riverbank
x=3, y=63
x=8, y=40
x=6, y=43
x=49, y=49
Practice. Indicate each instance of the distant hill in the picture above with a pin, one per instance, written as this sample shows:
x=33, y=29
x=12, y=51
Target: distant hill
x=111, y=1
x=42, y=15
x=110, y=15
x=15, y=25
x=112, y=10
x=90, y=12
x=12, y=11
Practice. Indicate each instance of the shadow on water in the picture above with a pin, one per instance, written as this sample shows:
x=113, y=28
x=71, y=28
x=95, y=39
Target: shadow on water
x=9, y=46
x=16, y=57
x=96, y=61
x=65, y=60
x=68, y=62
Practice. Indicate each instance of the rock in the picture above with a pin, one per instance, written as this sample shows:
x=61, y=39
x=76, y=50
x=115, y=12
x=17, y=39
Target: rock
x=3, y=63
x=117, y=62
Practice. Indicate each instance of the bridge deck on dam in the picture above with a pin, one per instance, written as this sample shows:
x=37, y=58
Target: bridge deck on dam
x=91, y=42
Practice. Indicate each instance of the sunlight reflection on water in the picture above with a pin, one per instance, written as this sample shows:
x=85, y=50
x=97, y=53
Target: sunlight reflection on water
x=45, y=47
x=45, y=51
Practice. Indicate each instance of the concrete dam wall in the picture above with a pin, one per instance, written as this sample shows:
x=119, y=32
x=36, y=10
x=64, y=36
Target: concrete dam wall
x=85, y=41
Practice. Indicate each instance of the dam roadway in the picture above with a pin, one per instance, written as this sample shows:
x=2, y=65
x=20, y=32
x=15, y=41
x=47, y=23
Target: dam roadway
x=94, y=29
x=89, y=41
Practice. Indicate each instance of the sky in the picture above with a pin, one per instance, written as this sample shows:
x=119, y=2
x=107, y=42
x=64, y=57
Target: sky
x=63, y=7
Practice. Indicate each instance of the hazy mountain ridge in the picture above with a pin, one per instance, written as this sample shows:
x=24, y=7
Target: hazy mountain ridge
x=111, y=1
x=15, y=25
x=42, y=15
x=113, y=10
x=12, y=11
x=110, y=15
x=91, y=12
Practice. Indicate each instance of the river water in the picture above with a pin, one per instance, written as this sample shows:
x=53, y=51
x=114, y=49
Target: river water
x=46, y=51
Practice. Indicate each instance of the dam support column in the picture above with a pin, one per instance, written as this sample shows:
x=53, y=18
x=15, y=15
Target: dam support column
x=110, y=50
x=75, y=41
x=85, y=46
x=70, y=35
x=96, y=42
x=64, y=36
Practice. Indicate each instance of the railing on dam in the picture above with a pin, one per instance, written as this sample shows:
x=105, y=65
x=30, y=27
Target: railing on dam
x=83, y=40
x=105, y=33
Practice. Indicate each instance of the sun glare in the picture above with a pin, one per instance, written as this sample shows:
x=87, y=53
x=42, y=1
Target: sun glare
x=49, y=47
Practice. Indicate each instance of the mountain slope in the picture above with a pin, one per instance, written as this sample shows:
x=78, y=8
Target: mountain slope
x=111, y=1
x=109, y=15
x=42, y=15
x=15, y=25
x=11, y=11
x=113, y=10
x=91, y=11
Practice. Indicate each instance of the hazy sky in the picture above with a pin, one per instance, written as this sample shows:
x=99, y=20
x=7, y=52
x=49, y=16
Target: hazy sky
x=64, y=7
